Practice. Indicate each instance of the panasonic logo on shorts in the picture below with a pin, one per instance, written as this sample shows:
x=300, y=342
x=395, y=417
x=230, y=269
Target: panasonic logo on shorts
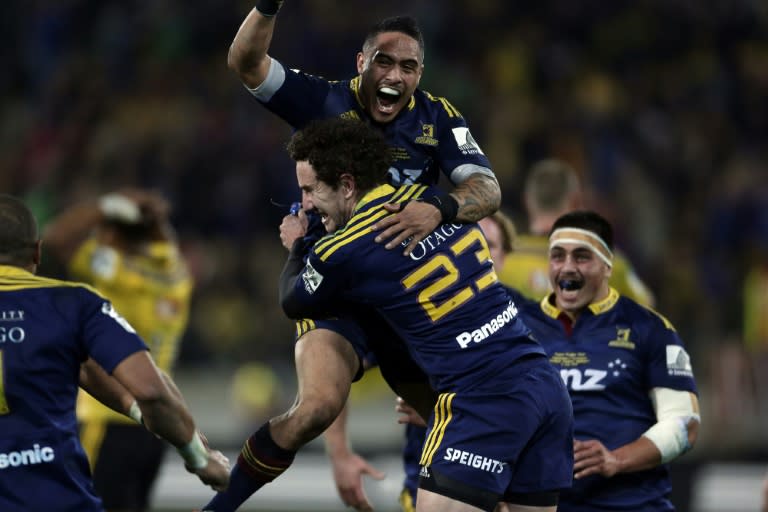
x=35, y=455
x=474, y=460
x=490, y=327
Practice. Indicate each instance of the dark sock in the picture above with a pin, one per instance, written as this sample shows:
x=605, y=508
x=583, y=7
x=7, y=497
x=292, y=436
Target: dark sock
x=260, y=461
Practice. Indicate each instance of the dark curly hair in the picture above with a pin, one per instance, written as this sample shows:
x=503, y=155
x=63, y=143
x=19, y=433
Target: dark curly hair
x=343, y=146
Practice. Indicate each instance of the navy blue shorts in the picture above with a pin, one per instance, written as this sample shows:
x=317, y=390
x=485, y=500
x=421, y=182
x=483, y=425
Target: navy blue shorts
x=507, y=439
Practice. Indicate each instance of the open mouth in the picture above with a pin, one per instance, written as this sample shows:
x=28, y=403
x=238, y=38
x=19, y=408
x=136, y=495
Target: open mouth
x=569, y=285
x=386, y=98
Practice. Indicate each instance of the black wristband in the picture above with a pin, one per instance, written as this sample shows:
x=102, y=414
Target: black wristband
x=268, y=7
x=446, y=203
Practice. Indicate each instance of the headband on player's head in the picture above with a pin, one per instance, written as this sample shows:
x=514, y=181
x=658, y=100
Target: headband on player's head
x=583, y=238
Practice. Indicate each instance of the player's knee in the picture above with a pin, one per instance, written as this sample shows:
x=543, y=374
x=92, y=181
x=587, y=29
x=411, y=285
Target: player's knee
x=315, y=415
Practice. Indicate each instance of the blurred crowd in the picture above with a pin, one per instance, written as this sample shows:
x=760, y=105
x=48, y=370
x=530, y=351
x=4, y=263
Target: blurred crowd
x=661, y=106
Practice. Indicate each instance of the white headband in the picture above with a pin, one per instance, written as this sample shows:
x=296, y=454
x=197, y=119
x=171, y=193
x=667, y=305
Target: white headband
x=583, y=238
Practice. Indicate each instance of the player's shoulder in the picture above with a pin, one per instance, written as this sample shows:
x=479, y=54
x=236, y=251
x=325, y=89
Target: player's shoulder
x=540, y=309
x=436, y=106
x=301, y=73
x=61, y=293
x=644, y=316
x=357, y=235
x=338, y=247
x=23, y=280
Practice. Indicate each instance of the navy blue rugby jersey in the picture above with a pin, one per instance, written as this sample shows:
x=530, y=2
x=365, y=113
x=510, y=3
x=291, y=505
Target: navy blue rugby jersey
x=610, y=360
x=427, y=136
x=47, y=329
x=444, y=300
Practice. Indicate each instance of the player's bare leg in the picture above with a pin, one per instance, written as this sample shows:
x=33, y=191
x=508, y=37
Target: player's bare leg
x=325, y=366
x=428, y=501
x=326, y=363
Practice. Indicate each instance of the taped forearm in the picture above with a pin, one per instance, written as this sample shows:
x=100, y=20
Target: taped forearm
x=678, y=417
x=194, y=453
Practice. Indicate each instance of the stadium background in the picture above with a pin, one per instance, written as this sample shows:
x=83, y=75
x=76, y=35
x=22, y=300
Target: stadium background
x=661, y=105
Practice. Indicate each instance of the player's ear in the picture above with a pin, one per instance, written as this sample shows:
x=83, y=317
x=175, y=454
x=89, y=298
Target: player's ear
x=347, y=184
x=37, y=253
x=360, y=62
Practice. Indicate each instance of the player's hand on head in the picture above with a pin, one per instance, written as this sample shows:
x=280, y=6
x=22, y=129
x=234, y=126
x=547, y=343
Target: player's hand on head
x=152, y=204
x=292, y=228
x=413, y=221
x=216, y=473
x=409, y=414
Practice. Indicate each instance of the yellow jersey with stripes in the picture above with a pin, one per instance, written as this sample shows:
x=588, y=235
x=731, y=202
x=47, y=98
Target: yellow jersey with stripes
x=152, y=290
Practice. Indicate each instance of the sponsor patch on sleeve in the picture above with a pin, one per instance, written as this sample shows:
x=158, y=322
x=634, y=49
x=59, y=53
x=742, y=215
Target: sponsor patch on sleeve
x=465, y=141
x=110, y=311
x=312, y=279
x=678, y=361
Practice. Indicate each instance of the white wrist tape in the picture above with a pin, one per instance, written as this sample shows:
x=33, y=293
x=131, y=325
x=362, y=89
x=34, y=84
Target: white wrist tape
x=135, y=412
x=194, y=453
x=120, y=208
x=674, y=410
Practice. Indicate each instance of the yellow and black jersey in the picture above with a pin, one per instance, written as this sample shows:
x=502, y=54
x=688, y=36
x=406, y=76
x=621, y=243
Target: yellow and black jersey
x=151, y=290
x=527, y=270
x=756, y=309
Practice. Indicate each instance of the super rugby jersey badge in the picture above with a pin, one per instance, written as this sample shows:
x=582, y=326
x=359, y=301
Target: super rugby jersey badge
x=312, y=279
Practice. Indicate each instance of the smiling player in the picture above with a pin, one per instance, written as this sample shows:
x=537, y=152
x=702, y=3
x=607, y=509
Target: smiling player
x=426, y=136
x=629, y=376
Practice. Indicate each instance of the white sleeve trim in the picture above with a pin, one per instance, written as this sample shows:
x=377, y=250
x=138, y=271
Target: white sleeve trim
x=464, y=171
x=275, y=79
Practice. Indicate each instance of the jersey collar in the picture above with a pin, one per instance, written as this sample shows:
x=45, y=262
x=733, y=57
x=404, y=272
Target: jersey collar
x=597, y=308
x=12, y=271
